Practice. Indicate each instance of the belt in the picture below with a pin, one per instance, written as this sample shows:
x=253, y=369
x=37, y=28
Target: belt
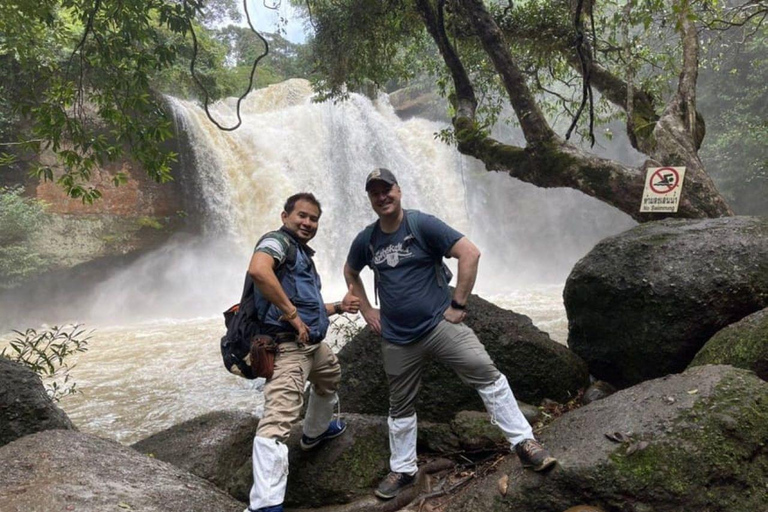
x=285, y=337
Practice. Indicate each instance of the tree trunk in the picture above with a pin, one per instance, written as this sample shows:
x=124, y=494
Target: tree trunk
x=549, y=161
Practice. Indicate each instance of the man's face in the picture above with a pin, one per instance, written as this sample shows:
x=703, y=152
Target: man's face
x=303, y=220
x=385, y=198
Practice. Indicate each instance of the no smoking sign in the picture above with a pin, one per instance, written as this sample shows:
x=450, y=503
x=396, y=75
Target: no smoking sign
x=662, y=189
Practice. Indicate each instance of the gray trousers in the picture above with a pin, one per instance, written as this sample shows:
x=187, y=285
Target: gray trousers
x=455, y=345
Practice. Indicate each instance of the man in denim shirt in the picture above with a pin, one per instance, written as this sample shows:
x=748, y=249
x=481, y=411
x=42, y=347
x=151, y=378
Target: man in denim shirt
x=419, y=319
x=296, y=316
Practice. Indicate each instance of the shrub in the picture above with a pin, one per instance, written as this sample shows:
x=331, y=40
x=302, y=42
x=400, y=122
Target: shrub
x=47, y=353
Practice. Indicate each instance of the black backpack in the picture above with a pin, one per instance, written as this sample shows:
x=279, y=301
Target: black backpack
x=242, y=320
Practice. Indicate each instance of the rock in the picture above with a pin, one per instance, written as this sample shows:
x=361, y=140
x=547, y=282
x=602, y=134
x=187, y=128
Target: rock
x=215, y=446
x=25, y=407
x=419, y=100
x=67, y=470
x=218, y=447
x=536, y=366
x=641, y=304
x=597, y=391
x=476, y=432
x=342, y=470
x=743, y=344
x=636, y=451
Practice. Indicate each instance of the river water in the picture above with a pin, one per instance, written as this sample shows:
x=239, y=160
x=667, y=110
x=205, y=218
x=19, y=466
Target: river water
x=153, y=359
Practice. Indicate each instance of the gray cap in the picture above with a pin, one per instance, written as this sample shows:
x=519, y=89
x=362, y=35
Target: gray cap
x=380, y=174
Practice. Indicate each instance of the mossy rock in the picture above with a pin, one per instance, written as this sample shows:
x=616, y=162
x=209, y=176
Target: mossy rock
x=743, y=344
x=693, y=441
x=536, y=367
x=641, y=304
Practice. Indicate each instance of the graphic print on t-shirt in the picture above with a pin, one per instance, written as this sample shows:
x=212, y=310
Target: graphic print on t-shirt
x=393, y=253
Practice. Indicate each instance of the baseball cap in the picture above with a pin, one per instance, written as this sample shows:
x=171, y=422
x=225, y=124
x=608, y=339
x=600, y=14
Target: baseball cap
x=380, y=174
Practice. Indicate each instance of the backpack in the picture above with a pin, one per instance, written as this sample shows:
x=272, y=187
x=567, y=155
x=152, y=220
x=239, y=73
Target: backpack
x=444, y=274
x=243, y=321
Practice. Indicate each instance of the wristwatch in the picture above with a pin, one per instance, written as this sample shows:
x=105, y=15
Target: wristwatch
x=456, y=305
x=337, y=308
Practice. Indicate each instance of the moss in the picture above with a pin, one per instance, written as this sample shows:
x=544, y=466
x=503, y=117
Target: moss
x=744, y=345
x=357, y=467
x=715, y=447
x=150, y=222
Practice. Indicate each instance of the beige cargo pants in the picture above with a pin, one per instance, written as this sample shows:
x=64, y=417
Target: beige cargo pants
x=284, y=392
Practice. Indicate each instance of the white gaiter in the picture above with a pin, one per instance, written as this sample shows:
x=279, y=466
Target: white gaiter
x=270, y=473
x=504, y=411
x=319, y=413
x=402, y=444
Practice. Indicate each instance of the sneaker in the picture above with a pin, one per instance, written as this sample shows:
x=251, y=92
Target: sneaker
x=393, y=484
x=273, y=508
x=533, y=455
x=335, y=429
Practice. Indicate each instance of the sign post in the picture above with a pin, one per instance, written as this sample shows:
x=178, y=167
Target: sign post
x=663, y=186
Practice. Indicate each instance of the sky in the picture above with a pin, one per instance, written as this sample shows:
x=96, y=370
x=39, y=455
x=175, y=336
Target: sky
x=268, y=20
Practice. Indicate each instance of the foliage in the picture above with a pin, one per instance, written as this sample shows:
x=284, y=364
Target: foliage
x=345, y=327
x=737, y=118
x=48, y=353
x=81, y=74
x=19, y=217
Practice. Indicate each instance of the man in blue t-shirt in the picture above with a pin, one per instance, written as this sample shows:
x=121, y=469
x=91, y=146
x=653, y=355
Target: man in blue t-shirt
x=419, y=319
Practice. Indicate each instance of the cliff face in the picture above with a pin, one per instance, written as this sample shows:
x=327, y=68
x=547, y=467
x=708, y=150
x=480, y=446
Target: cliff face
x=138, y=215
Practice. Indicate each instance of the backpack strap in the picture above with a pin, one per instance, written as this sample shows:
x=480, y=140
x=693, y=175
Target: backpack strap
x=412, y=217
x=443, y=273
x=280, y=271
x=367, y=237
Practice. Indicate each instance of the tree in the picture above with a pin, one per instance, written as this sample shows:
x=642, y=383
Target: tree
x=531, y=52
x=80, y=74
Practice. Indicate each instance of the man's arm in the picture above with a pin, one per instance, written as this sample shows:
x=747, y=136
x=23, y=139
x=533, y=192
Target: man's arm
x=356, y=287
x=468, y=256
x=349, y=304
x=262, y=271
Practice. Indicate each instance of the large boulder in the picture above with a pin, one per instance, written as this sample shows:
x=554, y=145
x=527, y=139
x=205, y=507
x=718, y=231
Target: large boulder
x=743, y=344
x=536, y=366
x=641, y=304
x=215, y=446
x=692, y=441
x=25, y=407
x=67, y=470
x=218, y=446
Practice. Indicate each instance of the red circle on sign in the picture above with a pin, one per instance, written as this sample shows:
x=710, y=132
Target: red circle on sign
x=657, y=180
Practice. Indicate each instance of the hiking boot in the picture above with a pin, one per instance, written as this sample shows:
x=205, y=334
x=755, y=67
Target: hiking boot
x=393, y=484
x=335, y=429
x=533, y=455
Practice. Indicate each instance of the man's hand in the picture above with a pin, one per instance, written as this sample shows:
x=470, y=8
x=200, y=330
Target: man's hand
x=301, y=329
x=373, y=319
x=351, y=302
x=455, y=316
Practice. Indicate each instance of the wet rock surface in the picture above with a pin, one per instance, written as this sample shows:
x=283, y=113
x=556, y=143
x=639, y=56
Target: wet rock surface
x=743, y=344
x=67, y=470
x=25, y=407
x=641, y=304
x=693, y=441
x=536, y=366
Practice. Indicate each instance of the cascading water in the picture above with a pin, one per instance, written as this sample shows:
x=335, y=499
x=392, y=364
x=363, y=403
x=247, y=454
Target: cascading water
x=154, y=359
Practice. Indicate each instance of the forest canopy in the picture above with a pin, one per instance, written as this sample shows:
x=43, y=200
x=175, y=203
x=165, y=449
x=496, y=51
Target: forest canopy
x=86, y=78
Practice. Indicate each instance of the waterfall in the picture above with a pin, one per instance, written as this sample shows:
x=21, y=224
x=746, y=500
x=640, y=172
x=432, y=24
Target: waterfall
x=288, y=143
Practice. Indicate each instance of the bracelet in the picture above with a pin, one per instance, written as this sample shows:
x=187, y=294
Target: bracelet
x=293, y=314
x=456, y=305
x=337, y=308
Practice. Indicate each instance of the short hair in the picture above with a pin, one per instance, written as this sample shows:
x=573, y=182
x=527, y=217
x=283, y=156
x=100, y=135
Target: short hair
x=290, y=203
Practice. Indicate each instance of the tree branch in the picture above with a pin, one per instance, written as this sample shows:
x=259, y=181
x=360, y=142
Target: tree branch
x=532, y=121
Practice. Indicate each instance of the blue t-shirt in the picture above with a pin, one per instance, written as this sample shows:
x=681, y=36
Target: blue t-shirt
x=412, y=300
